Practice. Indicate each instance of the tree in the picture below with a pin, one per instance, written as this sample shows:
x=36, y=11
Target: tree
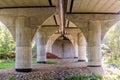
x=112, y=40
x=7, y=44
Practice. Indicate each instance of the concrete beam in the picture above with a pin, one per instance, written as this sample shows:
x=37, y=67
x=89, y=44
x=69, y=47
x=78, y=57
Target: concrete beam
x=28, y=12
x=82, y=21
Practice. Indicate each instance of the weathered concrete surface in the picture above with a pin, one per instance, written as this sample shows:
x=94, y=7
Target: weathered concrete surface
x=24, y=22
x=82, y=48
x=71, y=35
x=94, y=47
x=25, y=26
x=82, y=21
x=23, y=44
x=63, y=49
x=50, y=38
x=36, y=17
x=41, y=41
x=94, y=43
x=42, y=36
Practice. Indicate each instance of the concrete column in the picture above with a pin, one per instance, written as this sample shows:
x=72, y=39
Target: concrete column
x=94, y=47
x=41, y=46
x=81, y=48
x=76, y=50
x=23, y=45
x=75, y=44
x=50, y=47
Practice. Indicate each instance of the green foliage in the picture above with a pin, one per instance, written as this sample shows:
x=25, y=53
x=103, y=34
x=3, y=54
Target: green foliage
x=34, y=61
x=7, y=63
x=11, y=62
x=112, y=74
x=51, y=62
x=111, y=52
x=112, y=42
x=34, y=48
x=7, y=44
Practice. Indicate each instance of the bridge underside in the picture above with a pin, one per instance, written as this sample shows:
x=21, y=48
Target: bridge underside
x=65, y=28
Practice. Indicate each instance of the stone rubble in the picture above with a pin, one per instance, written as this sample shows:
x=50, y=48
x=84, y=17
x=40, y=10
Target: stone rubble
x=45, y=75
x=46, y=72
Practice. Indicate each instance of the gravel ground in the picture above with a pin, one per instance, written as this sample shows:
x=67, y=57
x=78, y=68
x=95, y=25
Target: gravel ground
x=47, y=71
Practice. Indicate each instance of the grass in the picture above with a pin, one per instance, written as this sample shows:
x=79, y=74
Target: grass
x=47, y=62
x=81, y=77
x=51, y=62
x=10, y=63
x=6, y=63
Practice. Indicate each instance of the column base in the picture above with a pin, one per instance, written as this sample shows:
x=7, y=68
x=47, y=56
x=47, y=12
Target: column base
x=75, y=57
x=93, y=65
x=41, y=62
x=96, y=69
x=24, y=70
x=81, y=60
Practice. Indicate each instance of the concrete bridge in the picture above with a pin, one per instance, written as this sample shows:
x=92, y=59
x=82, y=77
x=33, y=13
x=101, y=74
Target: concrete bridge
x=83, y=23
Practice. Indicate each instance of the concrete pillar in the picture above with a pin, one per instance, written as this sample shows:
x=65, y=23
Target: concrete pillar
x=49, y=45
x=94, y=47
x=81, y=48
x=76, y=50
x=23, y=45
x=41, y=46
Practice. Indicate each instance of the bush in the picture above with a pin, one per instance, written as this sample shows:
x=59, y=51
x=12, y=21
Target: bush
x=3, y=56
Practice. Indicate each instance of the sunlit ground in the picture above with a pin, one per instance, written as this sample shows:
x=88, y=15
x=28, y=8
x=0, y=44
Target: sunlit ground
x=111, y=72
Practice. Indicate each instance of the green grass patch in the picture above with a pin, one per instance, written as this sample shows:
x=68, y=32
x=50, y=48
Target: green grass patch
x=7, y=63
x=51, y=62
x=10, y=63
x=34, y=61
x=47, y=62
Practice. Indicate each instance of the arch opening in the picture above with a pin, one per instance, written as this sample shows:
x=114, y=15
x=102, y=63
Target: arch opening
x=63, y=48
x=7, y=43
x=111, y=50
x=71, y=31
x=111, y=39
x=52, y=40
